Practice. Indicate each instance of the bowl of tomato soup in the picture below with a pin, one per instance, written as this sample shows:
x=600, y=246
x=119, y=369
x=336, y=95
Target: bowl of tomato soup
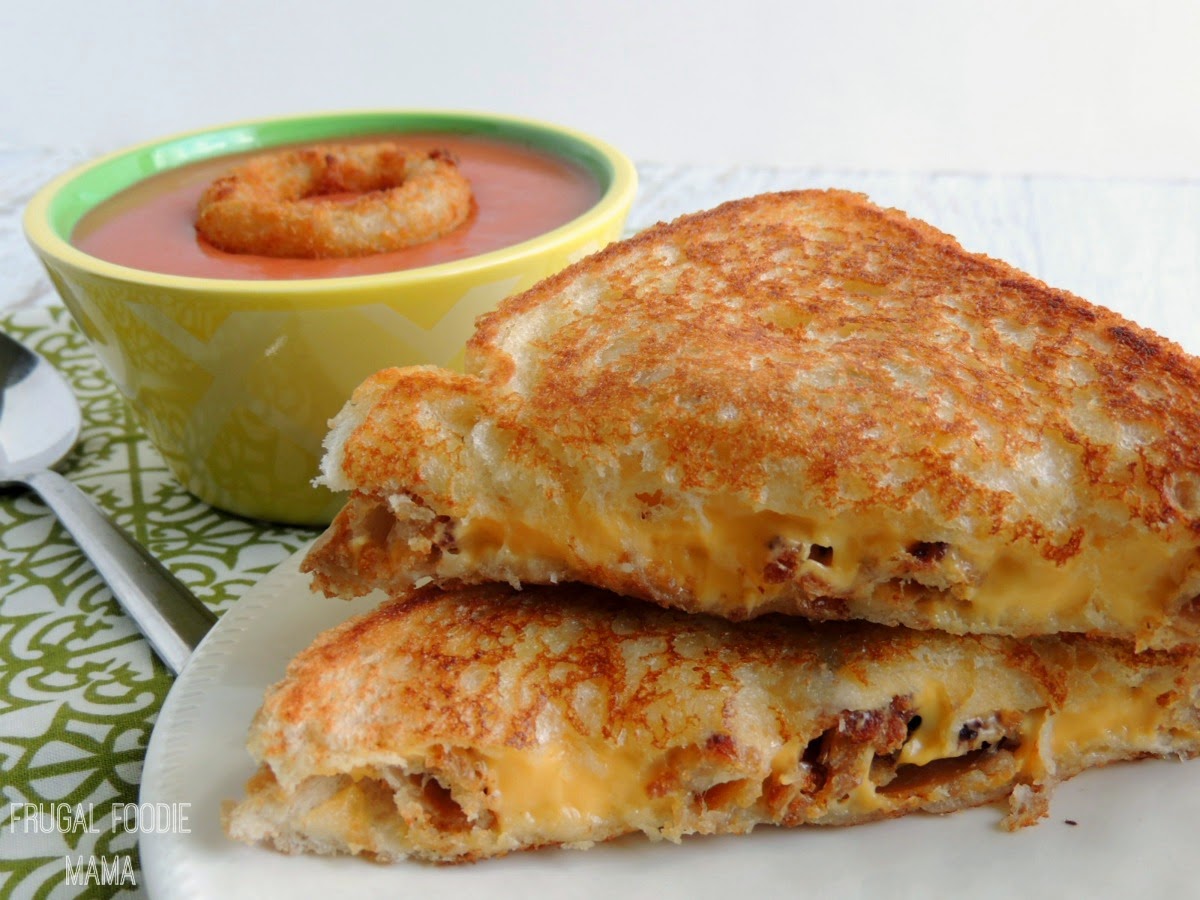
x=234, y=361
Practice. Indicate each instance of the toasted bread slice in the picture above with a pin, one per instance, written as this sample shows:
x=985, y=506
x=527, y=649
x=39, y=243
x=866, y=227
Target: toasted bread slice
x=472, y=723
x=798, y=403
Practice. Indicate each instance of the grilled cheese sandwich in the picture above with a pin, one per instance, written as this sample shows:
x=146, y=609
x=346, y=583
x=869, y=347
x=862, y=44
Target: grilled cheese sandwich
x=453, y=726
x=796, y=403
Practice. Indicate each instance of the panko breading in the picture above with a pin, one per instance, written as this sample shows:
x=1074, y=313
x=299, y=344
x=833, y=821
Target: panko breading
x=795, y=403
x=461, y=725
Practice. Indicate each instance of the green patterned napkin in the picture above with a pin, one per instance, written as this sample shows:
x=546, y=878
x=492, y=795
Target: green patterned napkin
x=79, y=687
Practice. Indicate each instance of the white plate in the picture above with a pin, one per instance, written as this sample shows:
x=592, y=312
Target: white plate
x=1135, y=835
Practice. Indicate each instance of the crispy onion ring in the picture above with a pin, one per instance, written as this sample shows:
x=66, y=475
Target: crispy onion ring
x=295, y=204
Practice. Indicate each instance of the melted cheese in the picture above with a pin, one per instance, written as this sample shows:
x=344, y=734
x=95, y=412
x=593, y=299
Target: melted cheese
x=937, y=735
x=565, y=789
x=785, y=764
x=865, y=801
x=719, y=554
x=1134, y=719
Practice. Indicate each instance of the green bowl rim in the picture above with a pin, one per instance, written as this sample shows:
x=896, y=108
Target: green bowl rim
x=603, y=160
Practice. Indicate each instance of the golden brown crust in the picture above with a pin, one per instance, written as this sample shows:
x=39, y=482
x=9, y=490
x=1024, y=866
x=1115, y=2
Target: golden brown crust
x=461, y=725
x=908, y=433
x=335, y=200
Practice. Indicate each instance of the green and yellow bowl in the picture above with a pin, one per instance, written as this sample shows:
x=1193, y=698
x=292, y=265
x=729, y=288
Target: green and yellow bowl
x=235, y=380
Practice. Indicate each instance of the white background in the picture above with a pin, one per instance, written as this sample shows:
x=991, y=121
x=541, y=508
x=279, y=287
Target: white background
x=1084, y=88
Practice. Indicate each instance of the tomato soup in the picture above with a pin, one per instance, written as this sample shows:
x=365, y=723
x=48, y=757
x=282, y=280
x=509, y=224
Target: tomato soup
x=519, y=193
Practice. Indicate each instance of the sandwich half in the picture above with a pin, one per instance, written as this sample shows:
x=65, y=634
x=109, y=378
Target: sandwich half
x=796, y=403
x=454, y=726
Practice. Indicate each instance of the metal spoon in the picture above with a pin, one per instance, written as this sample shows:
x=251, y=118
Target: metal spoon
x=39, y=423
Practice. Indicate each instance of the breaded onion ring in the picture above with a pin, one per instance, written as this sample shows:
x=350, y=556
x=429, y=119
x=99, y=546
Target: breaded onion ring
x=301, y=204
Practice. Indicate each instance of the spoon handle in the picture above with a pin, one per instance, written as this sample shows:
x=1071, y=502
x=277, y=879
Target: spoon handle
x=168, y=614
